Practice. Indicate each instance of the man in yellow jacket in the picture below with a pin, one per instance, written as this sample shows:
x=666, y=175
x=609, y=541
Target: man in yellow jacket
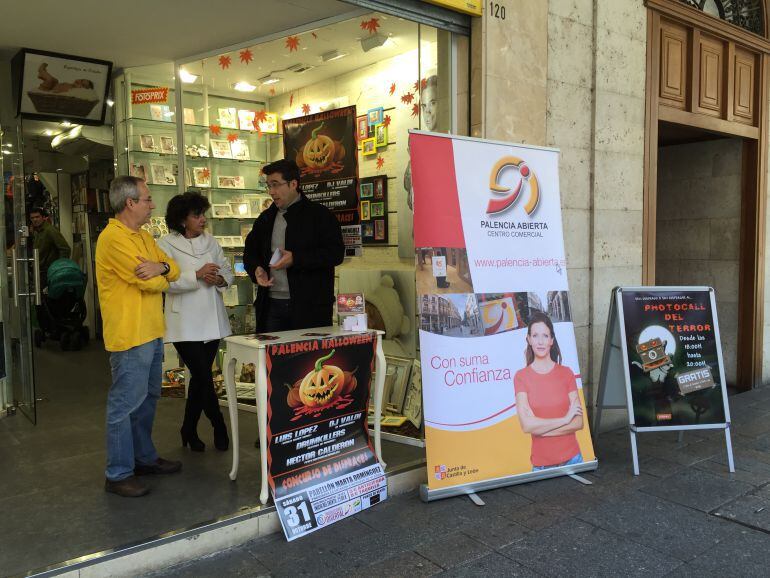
x=131, y=274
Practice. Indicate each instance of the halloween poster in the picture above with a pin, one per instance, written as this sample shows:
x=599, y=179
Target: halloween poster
x=674, y=357
x=324, y=147
x=321, y=463
x=502, y=383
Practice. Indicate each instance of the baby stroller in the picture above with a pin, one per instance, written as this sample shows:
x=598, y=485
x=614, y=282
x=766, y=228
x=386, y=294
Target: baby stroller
x=63, y=309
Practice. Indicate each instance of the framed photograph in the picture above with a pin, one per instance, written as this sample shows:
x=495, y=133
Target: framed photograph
x=397, y=373
x=239, y=270
x=239, y=208
x=368, y=147
x=220, y=149
x=246, y=229
x=380, y=135
x=147, y=143
x=413, y=400
x=367, y=229
x=255, y=207
x=240, y=150
x=201, y=177
x=270, y=124
x=379, y=188
x=162, y=175
x=233, y=182
x=55, y=86
x=228, y=118
x=365, y=210
x=220, y=211
x=266, y=203
x=378, y=209
x=375, y=116
x=367, y=190
x=139, y=170
x=189, y=116
x=167, y=145
x=379, y=230
x=362, y=128
x=236, y=241
x=246, y=119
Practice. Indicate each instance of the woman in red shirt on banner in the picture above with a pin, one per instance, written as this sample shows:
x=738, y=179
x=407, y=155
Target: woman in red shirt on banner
x=547, y=399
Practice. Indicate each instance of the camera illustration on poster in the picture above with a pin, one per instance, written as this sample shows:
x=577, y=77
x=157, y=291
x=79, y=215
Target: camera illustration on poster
x=321, y=464
x=673, y=360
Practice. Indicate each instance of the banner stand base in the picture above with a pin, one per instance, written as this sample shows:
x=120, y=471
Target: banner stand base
x=428, y=495
x=581, y=479
x=475, y=499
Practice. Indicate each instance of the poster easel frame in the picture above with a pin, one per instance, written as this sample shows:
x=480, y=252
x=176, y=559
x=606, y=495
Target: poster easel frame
x=615, y=341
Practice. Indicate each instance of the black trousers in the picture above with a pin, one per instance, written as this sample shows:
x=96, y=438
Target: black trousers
x=198, y=358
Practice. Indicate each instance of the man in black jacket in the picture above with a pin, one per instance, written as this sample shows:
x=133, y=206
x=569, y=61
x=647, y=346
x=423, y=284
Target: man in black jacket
x=297, y=290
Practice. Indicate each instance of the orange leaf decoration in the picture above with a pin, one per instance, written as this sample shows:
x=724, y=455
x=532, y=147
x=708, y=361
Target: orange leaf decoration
x=423, y=83
x=206, y=173
x=232, y=137
x=416, y=86
x=292, y=43
x=371, y=25
x=407, y=98
x=386, y=122
x=272, y=91
x=380, y=162
x=259, y=116
x=246, y=56
x=215, y=129
x=392, y=89
x=291, y=99
x=305, y=109
x=314, y=35
x=415, y=109
x=224, y=61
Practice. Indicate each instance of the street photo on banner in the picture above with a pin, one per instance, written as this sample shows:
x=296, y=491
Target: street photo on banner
x=321, y=463
x=502, y=387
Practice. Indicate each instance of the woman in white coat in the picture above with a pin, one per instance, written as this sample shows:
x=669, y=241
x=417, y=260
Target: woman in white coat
x=196, y=318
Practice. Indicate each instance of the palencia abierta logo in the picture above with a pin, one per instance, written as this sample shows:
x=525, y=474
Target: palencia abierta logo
x=527, y=181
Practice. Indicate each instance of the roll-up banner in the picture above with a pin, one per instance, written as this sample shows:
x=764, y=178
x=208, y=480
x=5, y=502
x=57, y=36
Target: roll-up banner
x=502, y=389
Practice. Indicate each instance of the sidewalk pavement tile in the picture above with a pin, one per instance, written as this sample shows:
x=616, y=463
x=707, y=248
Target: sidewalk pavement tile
x=452, y=550
x=746, y=470
x=496, y=531
x=659, y=467
x=751, y=510
x=400, y=565
x=574, y=548
x=697, y=489
x=539, y=516
x=235, y=562
x=493, y=564
x=669, y=528
x=744, y=553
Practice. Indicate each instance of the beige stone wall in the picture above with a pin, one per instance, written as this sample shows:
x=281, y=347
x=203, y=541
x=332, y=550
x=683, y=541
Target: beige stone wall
x=699, y=227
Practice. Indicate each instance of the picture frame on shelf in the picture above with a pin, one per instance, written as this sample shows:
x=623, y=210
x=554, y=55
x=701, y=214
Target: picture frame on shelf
x=239, y=269
x=375, y=116
x=139, y=170
x=378, y=209
x=236, y=241
x=189, y=116
x=368, y=147
x=266, y=203
x=201, y=177
x=167, y=145
x=380, y=135
x=397, y=373
x=246, y=229
x=220, y=149
x=255, y=207
x=160, y=112
x=270, y=124
x=228, y=118
x=221, y=211
x=362, y=128
x=239, y=149
x=147, y=143
x=246, y=119
x=239, y=208
x=365, y=210
x=231, y=182
x=367, y=190
x=162, y=175
x=379, y=230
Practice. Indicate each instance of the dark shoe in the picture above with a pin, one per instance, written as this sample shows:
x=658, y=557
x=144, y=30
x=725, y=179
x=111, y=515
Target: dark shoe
x=221, y=439
x=159, y=467
x=192, y=440
x=129, y=487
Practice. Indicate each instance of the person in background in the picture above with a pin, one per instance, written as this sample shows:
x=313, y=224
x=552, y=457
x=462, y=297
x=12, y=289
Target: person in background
x=49, y=242
x=297, y=290
x=131, y=273
x=196, y=318
x=547, y=400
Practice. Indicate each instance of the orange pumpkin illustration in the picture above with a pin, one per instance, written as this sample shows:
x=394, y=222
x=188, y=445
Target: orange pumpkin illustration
x=320, y=150
x=323, y=384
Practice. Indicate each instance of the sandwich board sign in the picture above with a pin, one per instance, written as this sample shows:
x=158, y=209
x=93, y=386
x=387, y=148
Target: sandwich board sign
x=663, y=362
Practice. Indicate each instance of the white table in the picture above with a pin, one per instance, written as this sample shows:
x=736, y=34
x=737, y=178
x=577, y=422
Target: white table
x=248, y=349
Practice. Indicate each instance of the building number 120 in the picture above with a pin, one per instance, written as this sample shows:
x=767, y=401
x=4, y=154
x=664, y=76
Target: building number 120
x=496, y=10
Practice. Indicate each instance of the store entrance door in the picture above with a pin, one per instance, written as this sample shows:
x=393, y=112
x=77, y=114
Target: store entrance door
x=22, y=276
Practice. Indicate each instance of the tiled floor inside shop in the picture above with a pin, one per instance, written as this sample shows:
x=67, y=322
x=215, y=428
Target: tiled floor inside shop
x=52, y=497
